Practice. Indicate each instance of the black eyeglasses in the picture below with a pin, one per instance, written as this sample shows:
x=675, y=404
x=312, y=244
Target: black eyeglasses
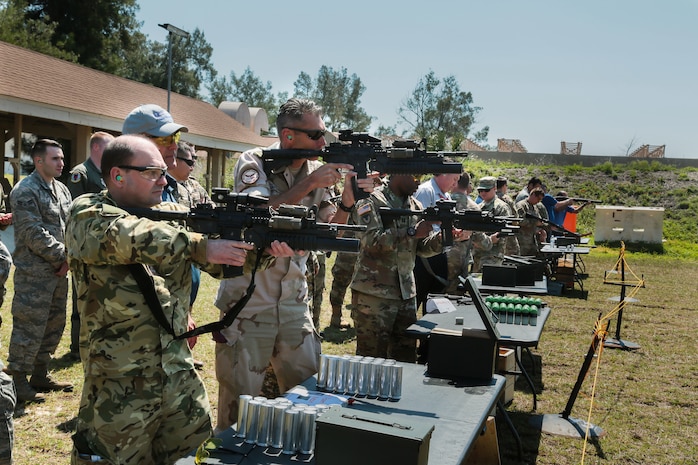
x=188, y=161
x=314, y=134
x=151, y=173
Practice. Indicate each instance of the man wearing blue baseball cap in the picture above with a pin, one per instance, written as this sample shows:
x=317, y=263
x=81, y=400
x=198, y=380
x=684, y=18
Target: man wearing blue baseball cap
x=157, y=124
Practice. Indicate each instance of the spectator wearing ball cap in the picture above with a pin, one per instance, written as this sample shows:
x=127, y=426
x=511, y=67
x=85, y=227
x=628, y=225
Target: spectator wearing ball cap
x=157, y=124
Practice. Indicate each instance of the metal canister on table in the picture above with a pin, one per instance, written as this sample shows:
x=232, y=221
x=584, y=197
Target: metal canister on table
x=364, y=378
x=321, y=382
x=331, y=373
x=290, y=431
x=306, y=441
x=253, y=407
x=396, y=382
x=243, y=400
x=277, y=425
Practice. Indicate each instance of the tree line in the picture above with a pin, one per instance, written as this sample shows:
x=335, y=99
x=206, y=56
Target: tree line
x=105, y=35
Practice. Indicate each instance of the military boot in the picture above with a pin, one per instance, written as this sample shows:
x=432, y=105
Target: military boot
x=25, y=393
x=42, y=381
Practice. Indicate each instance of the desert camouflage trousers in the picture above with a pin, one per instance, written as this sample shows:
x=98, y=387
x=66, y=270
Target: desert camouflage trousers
x=38, y=319
x=380, y=326
x=8, y=400
x=141, y=420
x=293, y=349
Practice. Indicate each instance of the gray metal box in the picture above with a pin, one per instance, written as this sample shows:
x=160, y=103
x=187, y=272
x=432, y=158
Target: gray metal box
x=348, y=436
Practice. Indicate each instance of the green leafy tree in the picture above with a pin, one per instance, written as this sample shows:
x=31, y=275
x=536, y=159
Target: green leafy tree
x=192, y=69
x=339, y=95
x=440, y=112
x=247, y=88
x=33, y=34
x=96, y=31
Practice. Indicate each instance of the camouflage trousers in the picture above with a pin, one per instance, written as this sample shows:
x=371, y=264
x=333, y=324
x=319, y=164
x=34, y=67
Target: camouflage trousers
x=292, y=348
x=342, y=272
x=5, y=265
x=316, y=283
x=38, y=319
x=380, y=326
x=8, y=400
x=140, y=420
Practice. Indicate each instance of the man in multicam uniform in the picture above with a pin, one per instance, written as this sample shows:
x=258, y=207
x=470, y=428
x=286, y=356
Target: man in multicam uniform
x=460, y=254
x=531, y=231
x=194, y=193
x=276, y=325
x=512, y=247
x=491, y=203
x=86, y=178
x=384, y=293
x=142, y=401
x=40, y=206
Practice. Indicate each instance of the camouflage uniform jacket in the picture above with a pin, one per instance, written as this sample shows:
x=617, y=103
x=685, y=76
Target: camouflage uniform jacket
x=286, y=279
x=498, y=208
x=84, y=178
x=528, y=226
x=387, y=255
x=506, y=198
x=119, y=335
x=193, y=194
x=39, y=215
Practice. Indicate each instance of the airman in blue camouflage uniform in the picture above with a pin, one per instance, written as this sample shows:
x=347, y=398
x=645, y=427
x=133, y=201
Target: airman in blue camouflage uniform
x=40, y=206
x=142, y=400
x=383, y=288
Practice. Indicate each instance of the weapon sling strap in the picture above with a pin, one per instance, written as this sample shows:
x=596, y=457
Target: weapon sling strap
x=147, y=288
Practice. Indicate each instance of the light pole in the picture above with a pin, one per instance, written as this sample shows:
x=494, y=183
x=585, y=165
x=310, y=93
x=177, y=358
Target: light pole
x=178, y=32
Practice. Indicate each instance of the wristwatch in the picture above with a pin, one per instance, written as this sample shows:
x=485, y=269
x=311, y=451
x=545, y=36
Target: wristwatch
x=411, y=231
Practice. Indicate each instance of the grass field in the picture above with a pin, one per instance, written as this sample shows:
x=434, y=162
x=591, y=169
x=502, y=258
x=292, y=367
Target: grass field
x=645, y=400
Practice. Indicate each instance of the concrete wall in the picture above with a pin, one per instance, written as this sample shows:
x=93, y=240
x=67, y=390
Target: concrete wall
x=583, y=160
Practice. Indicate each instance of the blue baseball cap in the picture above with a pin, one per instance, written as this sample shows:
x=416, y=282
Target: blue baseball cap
x=151, y=119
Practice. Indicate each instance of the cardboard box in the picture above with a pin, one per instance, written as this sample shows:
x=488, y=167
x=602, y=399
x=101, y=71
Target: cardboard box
x=506, y=362
x=346, y=436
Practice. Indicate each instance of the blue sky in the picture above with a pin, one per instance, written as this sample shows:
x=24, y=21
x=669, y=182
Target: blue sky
x=605, y=73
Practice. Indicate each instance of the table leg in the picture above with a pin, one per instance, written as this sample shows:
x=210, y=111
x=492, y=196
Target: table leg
x=511, y=426
x=528, y=379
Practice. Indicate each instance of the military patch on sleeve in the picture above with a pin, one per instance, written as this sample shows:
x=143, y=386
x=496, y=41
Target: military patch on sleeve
x=76, y=177
x=363, y=211
x=250, y=176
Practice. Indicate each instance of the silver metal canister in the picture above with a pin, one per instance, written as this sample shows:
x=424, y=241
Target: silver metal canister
x=266, y=411
x=242, y=414
x=364, y=378
x=331, y=372
x=321, y=382
x=396, y=382
x=290, y=431
x=252, y=421
x=306, y=442
x=352, y=383
x=385, y=380
x=374, y=381
x=277, y=425
x=341, y=375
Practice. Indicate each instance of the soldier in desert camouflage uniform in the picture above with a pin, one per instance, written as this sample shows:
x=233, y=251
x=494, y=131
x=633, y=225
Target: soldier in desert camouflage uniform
x=276, y=325
x=383, y=288
x=40, y=206
x=142, y=401
x=531, y=231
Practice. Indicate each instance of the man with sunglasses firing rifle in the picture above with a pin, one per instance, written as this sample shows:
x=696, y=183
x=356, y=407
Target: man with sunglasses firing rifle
x=142, y=401
x=276, y=325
